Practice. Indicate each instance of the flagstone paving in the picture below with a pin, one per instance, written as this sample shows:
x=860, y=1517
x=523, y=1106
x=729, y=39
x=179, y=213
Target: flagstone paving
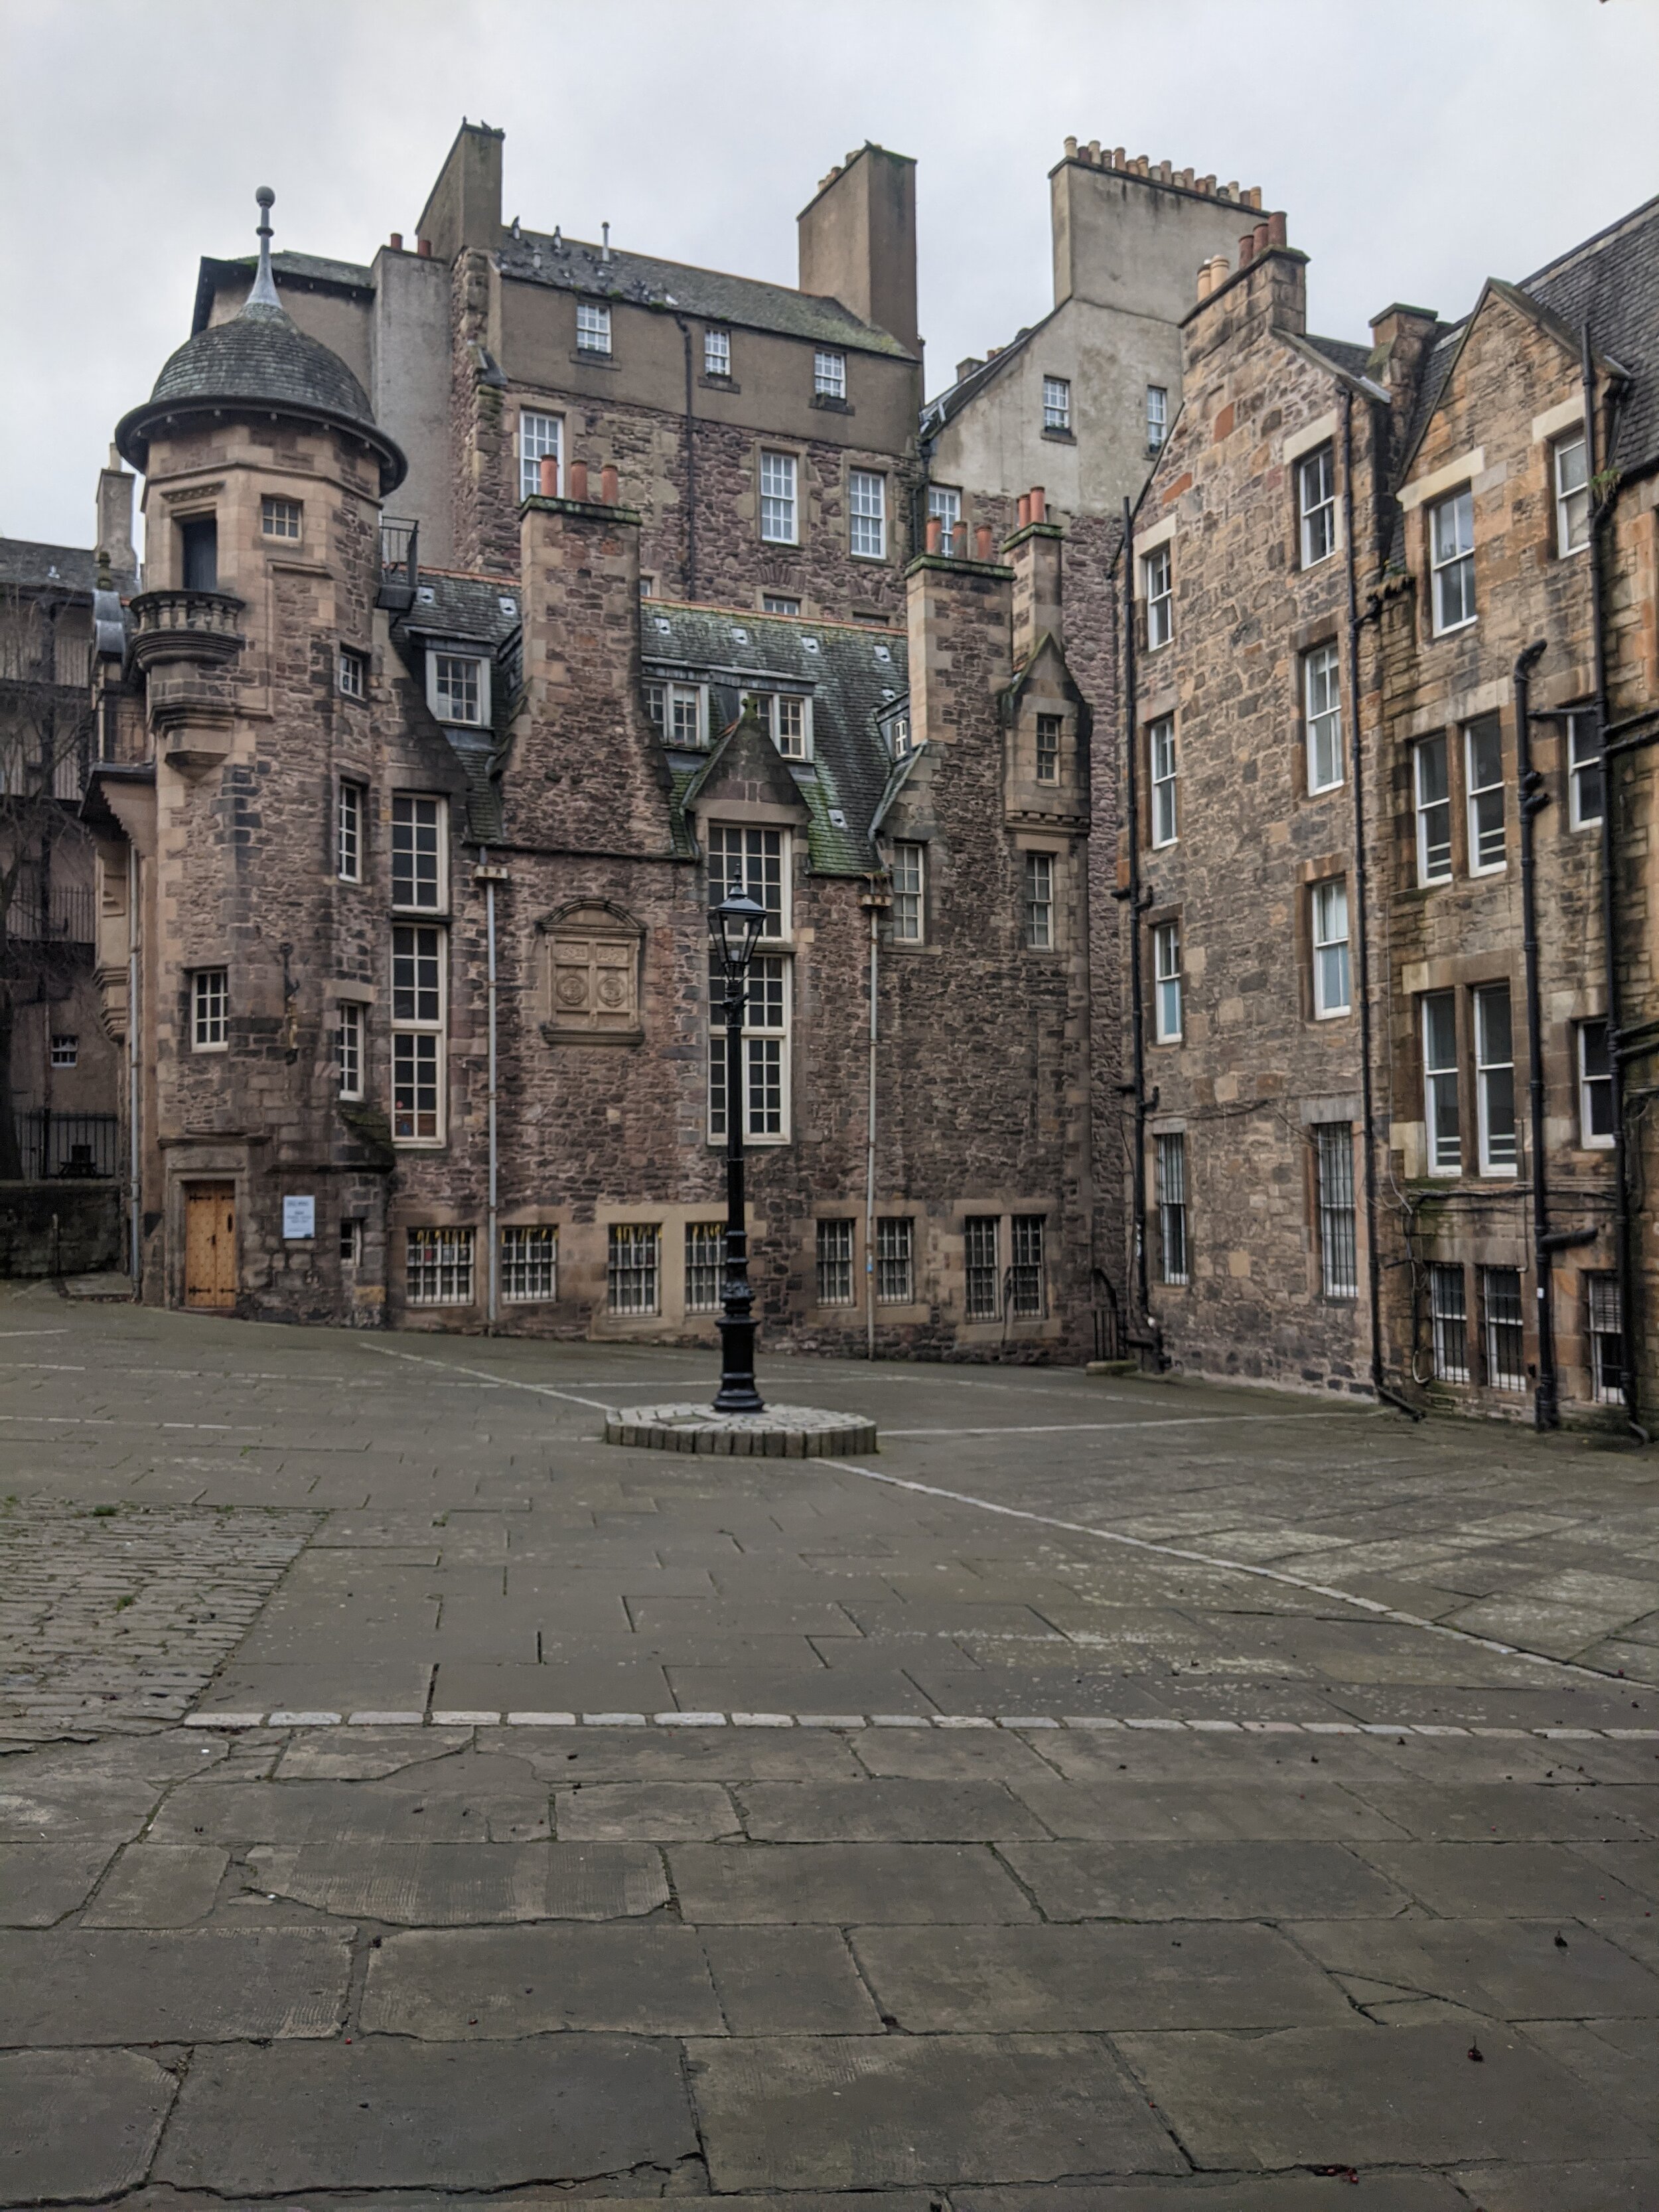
x=1106, y=1797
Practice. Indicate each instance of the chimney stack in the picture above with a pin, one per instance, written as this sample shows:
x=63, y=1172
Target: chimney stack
x=858, y=241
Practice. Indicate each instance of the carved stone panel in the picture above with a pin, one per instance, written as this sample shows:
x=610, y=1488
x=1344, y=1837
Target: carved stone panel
x=591, y=987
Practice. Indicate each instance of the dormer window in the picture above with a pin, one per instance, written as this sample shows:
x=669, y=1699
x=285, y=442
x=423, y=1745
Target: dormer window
x=787, y=715
x=457, y=688
x=679, y=712
x=593, y=327
x=280, y=517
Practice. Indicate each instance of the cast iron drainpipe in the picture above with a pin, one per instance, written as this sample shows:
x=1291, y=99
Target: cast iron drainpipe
x=1362, y=940
x=1137, y=1011
x=1546, y=1398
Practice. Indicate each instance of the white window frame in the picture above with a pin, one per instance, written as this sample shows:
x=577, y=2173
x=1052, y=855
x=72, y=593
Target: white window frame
x=780, y=603
x=1315, y=474
x=1442, y=1111
x=944, y=508
x=895, y=1260
x=1322, y=709
x=788, y=716
x=717, y=352
x=440, y=661
x=1566, y=493
x=210, y=1010
x=833, y=1250
x=1050, y=736
x=1057, y=402
x=348, y=1047
x=1332, y=979
x=348, y=812
x=1585, y=767
x=866, y=514
x=1593, y=1083
x=1479, y=797
x=633, y=1262
x=755, y=865
x=419, y=1037
x=1157, y=417
x=1169, y=1183
x=593, y=326
x=1452, y=569
x=529, y=1262
x=982, y=1267
x=779, y=496
x=351, y=1240
x=351, y=672
x=1430, y=870
x=1028, y=1267
x=444, y=1274
x=1499, y=1154
x=281, y=518
x=541, y=438
x=420, y=832
x=680, y=712
x=909, y=880
x=768, y=1051
x=1157, y=589
x=828, y=375
x=1039, y=902
x=1162, y=771
x=1168, y=983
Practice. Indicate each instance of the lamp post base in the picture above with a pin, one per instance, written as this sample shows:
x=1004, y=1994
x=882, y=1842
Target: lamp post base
x=737, y=1393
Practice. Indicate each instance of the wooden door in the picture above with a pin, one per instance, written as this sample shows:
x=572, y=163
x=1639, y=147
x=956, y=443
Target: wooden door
x=210, y=1245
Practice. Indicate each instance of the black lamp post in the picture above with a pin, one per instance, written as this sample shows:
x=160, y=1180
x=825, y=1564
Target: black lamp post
x=735, y=928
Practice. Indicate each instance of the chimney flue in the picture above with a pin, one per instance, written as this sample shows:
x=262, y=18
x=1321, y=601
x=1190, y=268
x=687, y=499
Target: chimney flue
x=1024, y=509
x=1247, y=249
x=609, y=484
x=605, y=241
x=935, y=532
x=397, y=241
x=549, y=475
x=983, y=537
x=579, y=480
x=1276, y=228
x=423, y=248
x=1039, y=500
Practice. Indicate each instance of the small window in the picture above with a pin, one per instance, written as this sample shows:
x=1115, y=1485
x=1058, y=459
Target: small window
x=777, y=499
x=417, y=852
x=66, y=1051
x=647, y=587
x=351, y=1241
x=680, y=712
x=867, y=495
x=634, y=1267
x=280, y=517
x=1321, y=709
x=1166, y=982
x=1585, y=767
x=1048, y=747
x=1329, y=906
x=439, y=1268
x=897, y=727
x=1494, y=1070
x=1157, y=584
x=1339, y=1261
x=199, y=554
x=1572, y=495
x=1157, y=417
x=791, y=724
x=944, y=508
x=1451, y=559
x=717, y=353
x=1506, y=1341
x=352, y=673
x=1170, y=1166
x=1433, y=799
x=835, y=1263
x=209, y=1003
x=1056, y=404
x=593, y=327
x=750, y=861
x=458, y=690
x=349, y=1048
x=1161, y=752
x=982, y=1262
x=1316, y=501
x=541, y=438
x=1483, y=743
x=418, y=982
x=349, y=832
x=908, y=914
x=1040, y=901
x=705, y=1266
x=1442, y=1117
x=1028, y=1299
x=895, y=1284
x=830, y=374
x=1596, y=1128
x=779, y=602
x=1604, y=1325
x=1448, y=1324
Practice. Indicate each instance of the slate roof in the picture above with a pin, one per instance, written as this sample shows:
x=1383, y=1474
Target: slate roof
x=856, y=673
x=485, y=610
x=709, y=294
x=1352, y=359
x=951, y=401
x=1611, y=280
x=27, y=566
x=310, y=273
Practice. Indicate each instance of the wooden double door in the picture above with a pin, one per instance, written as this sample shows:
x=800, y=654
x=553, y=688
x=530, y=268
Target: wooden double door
x=210, y=1245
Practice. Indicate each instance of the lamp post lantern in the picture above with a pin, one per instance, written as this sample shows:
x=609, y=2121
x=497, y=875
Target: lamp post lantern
x=734, y=929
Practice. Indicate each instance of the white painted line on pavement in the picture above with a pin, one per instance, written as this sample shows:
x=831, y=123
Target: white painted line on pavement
x=482, y=1375
x=1090, y=1428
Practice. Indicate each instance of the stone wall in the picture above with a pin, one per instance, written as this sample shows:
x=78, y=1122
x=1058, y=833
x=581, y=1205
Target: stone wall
x=61, y=1228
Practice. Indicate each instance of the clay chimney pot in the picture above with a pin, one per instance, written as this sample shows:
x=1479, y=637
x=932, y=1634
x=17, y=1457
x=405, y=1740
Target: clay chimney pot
x=579, y=480
x=608, y=485
x=1261, y=238
x=1247, y=249
x=1025, y=508
x=1039, y=504
x=423, y=248
x=935, y=533
x=549, y=475
x=982, y=541
x=397, y=241
x=1205, y=280
x=1276, y=228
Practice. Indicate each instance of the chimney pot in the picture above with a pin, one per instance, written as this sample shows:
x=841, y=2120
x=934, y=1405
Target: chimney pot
x=579, y=480
x=935, y=532
x=1247, y=249
x=1260, y=239
x=1094, y=151
x=1117, y=157
x=549, y=475
x=1071, y=149
x=1252, y=198
x=1039, y=499
x=397, y=241
x=1276, y=228
x=1205, y=280
x=609, y=485
x=1024, y=509
x=423, y=248
x=983, y=537
x=1206, y=185
x=1185, y=177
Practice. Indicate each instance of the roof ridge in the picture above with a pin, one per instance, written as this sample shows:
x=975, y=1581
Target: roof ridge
x=1641, y=213
x=750, y=614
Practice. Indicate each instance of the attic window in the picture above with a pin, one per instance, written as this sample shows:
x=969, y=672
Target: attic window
x=830, y=374
x=837, y=819
x=593, y=327
x=457, y=688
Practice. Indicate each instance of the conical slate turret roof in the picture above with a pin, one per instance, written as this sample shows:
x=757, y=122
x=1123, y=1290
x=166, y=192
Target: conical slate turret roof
x=259, y=359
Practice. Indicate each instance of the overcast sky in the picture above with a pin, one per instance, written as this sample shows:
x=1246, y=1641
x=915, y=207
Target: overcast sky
x=1418, y=147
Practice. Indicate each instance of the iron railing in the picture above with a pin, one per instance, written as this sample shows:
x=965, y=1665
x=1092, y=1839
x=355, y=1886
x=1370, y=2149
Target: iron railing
x=67, y=1147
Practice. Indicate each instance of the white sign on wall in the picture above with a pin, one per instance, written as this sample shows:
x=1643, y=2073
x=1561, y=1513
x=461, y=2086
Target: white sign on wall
x=299, y=1218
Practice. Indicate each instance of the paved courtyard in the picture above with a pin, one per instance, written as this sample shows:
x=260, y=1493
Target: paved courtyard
x=1108, y=1796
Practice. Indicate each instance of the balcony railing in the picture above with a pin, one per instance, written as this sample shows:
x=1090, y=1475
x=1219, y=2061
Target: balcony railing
x=66, y=916
x=400, y=563
x=184, y=625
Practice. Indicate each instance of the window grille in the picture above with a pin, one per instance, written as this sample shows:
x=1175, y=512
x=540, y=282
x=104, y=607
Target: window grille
x=982, y=1259
x=439, y=1268
x=1040, y=901
x=210, y=1009
x=1028, y=1290
x=1339, y=1263
x=717, y=353
x=1434, y=851
x=349, y=1048
x=1441, y=1117
x=529, y=1263
x=1056, y=403
x=353, y=674
x=1584, y=757
x=1594, y=1085
x=765, y=1050
x=1451, y=559
x=348, y=834
x=1157, y=581
x=1500, y=1297
x=868, y=500
x=835, y=1263
x=1048, y=727
x=895, y=1262
x=1315, y=497
x=1329, y=905
x=1157, y=417
x=1483, y=743
x=1604, y=1322
x=1494, y=1068
x=1166, y=982
x=1321, y=704
x=417, y=841
x=1448, y=1322
x=541, y=438
x=705, y=1265
x=1572, y=499
x=830, y=374
x=1170, y=1161
x=907, y=910
x=634, y=1267
x=750, y=861
x=777, y=499
x=279, y=517
x=593, y=327
x=456, y=688
x=1161, y=750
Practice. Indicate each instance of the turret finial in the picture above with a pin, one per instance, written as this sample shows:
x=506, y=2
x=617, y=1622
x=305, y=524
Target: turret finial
x=264, y=293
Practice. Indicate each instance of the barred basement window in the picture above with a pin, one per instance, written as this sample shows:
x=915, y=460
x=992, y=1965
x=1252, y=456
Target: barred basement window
x=717, y=353
x=777, y=499
x=1434, y=851
x=418, y=853
x=1322, y=706
x=896, y=1261
x=279, y=517
x=417, y=1038
x=765, y=1052
x=1448, y=1322
x=1048, y=747
x=1315, y=492
x=982, y=1236
x=541, y=437
x=1500, y=1296
x=634, y=1267
x=439, y=1268
x=1339, y=1264
x=907, y=894
x=1595, y=1086
x=750, y=861
x=348, y=834
x=1604, y=1322
x=1056, y=403
x=210, y=1000
x=349, y=1048
x=1483, y=743
x=529, y=1263
x=830, y=374
x=867, y=500
x=1172, y=1167
x=593, y=327
x=1029, y=1292
x=835, y=1263
x=705, y=1257
x=1040, y=901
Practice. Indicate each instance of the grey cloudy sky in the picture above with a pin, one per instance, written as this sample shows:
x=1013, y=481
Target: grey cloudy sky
x=1418, y=146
